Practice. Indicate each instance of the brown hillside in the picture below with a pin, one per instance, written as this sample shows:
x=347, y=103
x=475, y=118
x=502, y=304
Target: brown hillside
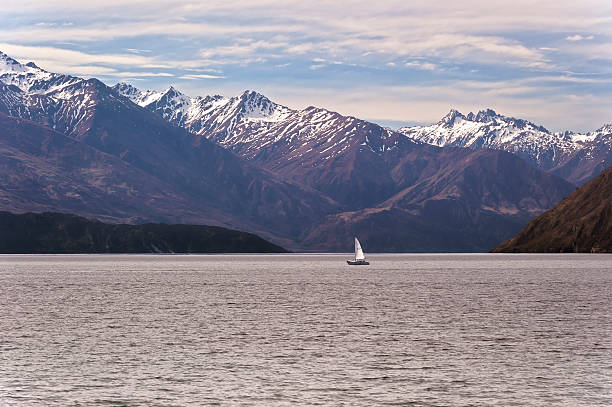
x=582, y=223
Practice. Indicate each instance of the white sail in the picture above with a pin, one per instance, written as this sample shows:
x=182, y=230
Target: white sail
x=358, y=251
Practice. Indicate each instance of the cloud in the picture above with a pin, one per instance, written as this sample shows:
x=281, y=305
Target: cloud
x=421, y=65
x=137, y=51
x=589, y=56
x=393, y=28
x=82, y=70
x=201, y=76
x=371, y=44
x=142, y=74
x=65, y=57
x=63, y=60
x=113, y=31
x=578, y=37
x=242, y=48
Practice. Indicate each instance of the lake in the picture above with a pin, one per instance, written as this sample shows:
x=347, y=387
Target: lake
x=303, y=330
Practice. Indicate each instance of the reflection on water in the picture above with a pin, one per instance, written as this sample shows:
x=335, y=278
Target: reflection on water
x=416, y=330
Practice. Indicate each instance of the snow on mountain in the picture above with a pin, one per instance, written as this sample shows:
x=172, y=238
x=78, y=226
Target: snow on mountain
x=10, y=98
x=604, y=132
x=488, y=129
x=210, y=115
x=32, y=79
x=62, y=102
x=251, y=123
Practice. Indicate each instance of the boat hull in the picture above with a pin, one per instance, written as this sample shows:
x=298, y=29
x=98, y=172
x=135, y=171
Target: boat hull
x=357, y=263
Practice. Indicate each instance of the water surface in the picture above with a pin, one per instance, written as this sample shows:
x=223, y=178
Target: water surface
x=287, y=330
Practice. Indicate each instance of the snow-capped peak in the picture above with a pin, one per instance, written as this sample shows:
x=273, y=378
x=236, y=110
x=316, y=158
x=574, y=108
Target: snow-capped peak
x=254, y=105
x=451, y=116
x=208, y=112
x=33, y=65
x=605, y=129
x=489, y=129
x=30, y=78
x=484, y=116
x=10, y=65
x=172, y=92
x=173, y=96
x=140, y=97
x=253, y=98
x=127, y=90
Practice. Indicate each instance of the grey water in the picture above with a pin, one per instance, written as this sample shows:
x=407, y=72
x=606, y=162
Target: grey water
x=297, y=330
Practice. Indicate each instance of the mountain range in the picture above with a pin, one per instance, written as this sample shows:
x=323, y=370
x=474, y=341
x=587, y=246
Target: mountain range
x=306, y=179
x=250, y=121
x=576, y=157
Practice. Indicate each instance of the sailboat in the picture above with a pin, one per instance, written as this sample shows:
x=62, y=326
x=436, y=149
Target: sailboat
x=359, y=256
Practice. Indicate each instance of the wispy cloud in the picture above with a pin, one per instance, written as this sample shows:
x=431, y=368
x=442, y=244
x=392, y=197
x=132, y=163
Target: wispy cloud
x=201, y=76
x=578, y=37
x=137, y=51
x=60, y=57
x=242, y=47
x=142, y=74
x=421, y=65
x=63, y=60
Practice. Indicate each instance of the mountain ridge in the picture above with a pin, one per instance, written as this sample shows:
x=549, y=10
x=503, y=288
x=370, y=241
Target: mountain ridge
x=552, y=152
x=577, y=157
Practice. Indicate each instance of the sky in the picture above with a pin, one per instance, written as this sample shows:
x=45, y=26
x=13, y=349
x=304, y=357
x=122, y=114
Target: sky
x=392, y=62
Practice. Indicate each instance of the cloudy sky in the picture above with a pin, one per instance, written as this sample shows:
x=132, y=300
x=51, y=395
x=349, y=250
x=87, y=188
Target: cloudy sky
x=393, y=62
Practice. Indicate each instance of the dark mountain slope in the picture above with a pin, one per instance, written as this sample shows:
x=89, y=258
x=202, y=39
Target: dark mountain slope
x=580, y=223
x=41, y=170
x=64, y=233
x=458, y=205
x=254, y=198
